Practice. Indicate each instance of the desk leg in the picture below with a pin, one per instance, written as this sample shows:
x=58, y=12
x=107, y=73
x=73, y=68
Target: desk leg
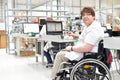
x=36, y=58
x=18, y=45
x=117, y=61
x=42, y=54
x=36, y=52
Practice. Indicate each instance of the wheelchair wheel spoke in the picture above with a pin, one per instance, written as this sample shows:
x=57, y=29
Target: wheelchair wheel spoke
x=101, y=77
x=90, y=70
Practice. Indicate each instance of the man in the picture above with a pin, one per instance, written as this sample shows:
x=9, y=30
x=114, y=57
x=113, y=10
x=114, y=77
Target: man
x=47, y=46
x=88, y=40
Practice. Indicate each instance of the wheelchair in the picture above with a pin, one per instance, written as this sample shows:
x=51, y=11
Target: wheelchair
x=90, y=67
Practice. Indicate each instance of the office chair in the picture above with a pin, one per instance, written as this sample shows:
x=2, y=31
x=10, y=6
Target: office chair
x=54, y=50
x=57, y=46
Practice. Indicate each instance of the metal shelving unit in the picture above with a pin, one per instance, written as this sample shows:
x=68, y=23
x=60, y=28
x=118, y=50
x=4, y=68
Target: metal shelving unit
x=26, y=14
x=63, y=10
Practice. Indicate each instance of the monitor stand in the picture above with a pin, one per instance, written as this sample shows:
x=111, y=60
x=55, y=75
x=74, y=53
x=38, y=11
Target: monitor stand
x=62, y=37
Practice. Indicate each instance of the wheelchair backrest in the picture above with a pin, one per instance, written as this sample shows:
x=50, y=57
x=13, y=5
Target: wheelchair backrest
x=105, y=53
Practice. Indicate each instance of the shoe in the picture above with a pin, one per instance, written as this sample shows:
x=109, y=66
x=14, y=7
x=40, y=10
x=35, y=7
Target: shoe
x=50, y=64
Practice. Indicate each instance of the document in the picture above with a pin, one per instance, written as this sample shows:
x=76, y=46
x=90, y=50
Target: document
x=74, y=55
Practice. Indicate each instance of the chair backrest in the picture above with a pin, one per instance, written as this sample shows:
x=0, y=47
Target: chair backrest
x=96, y=55
x=105, y=54
x=59, y=46
x=100, y=47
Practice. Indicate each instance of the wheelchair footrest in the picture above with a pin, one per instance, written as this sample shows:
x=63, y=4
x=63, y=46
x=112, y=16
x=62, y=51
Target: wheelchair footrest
x=62, y=73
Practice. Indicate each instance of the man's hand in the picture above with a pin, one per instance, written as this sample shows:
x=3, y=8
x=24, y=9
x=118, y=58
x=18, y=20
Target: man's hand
x=70, y=33
x=73, y=35
x=68, y=48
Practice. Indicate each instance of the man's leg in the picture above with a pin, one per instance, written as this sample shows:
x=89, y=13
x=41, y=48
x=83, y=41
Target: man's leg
x=60, y=57
x=48, y=56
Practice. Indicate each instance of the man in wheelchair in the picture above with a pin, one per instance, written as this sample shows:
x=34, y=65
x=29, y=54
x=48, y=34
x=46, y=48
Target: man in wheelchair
x=87, y=42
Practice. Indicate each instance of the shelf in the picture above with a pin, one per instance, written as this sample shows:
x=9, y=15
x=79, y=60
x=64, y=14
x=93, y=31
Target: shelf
x=38, y=16
x=36, y=10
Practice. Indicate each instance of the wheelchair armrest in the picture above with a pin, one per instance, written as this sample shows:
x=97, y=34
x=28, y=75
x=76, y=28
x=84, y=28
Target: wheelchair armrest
x=92, y=55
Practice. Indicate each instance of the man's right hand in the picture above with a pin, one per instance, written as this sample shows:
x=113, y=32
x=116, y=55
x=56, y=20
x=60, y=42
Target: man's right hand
x=73, y=35
x=70, y=33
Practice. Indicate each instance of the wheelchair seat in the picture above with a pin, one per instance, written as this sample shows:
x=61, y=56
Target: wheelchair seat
x=90, y=67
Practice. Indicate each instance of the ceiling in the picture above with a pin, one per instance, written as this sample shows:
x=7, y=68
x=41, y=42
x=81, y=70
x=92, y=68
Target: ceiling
x=35, y=3
x=23, y=4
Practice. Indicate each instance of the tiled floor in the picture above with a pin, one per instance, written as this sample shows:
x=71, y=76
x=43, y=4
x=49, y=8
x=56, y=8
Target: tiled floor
x=25, y=68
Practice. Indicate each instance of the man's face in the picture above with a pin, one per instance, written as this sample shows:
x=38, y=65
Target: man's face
x=87, y=18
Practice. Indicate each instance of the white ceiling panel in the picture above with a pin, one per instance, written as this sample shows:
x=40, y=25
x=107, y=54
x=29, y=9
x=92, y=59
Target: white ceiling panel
x=74, y=3
x=33, y=3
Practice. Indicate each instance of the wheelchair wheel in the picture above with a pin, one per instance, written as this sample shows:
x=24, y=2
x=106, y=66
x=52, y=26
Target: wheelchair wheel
x=89, y=69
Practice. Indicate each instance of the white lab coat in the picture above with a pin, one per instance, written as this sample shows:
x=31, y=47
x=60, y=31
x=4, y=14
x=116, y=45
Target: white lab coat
x=43, y=33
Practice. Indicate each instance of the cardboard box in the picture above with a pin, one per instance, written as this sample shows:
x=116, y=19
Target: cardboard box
x=27, y=53
x=3, y=39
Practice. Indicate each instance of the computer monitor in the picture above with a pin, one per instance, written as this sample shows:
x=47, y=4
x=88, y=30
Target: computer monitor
x=54, y=28
x=42, y=21
x=31, y=28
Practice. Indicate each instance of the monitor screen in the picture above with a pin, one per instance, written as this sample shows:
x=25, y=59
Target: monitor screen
x=31, y=27
x=42, y=21
x=54, y=28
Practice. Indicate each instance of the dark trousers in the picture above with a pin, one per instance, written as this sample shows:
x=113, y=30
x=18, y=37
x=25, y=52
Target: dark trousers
x=48, y=56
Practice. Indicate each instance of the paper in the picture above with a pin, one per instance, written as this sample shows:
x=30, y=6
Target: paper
x=74, y=55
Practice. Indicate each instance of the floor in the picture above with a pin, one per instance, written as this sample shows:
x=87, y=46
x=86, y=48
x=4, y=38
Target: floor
x=25, y=68
x=22, y=68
